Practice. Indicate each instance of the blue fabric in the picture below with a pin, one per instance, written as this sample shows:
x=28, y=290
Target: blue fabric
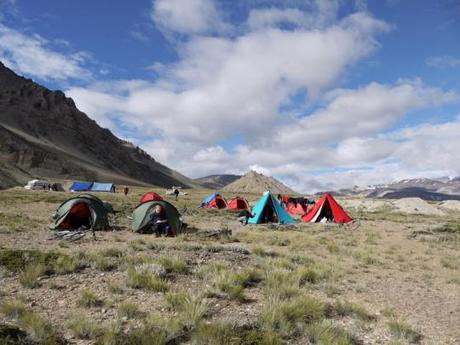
x=79, y=186
x=208, y=199
x=101, y=187
x=257, y=211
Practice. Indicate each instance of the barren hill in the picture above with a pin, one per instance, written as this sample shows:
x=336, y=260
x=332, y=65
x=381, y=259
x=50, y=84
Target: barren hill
x=43, y=134
x=253, y=182
x=217, y=181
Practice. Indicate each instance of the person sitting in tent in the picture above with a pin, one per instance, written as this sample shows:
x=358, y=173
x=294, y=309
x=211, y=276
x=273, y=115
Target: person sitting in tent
x=244, y=216
x=159, y=222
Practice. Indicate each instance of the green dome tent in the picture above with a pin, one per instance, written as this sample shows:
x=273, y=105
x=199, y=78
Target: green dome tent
x=141, y=216
x=83, y=210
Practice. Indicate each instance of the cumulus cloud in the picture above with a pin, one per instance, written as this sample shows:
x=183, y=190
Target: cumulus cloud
x=234, y=88
x=31, y=55
x=188, y=17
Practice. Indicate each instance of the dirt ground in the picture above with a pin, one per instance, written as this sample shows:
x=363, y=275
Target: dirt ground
x=395, y=266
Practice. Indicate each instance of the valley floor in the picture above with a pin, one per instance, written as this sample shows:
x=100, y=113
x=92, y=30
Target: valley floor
x=392, y=280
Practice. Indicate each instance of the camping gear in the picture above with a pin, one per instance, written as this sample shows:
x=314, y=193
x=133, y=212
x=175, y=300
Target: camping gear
x=215, y=200
x=238, y=204
x=37, y=185
x=102, y=187
x=141, y=216
x=150, y=196
x=80, y=186
x=268, y=210
x=327, y=208
x=82, y=212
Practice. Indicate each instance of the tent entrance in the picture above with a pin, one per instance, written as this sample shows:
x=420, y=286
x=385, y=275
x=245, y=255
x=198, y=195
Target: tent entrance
x=269, y=213
x=220, y=203
x=326, y=211
x=240, y=204
x=78, y=216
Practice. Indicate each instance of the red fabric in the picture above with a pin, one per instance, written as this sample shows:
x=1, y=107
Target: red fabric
x=238, y=204
x=151, y=196
x=296, y=208
x=285, y=198
x=340, y=216
x=218, y=202
x=78, y=214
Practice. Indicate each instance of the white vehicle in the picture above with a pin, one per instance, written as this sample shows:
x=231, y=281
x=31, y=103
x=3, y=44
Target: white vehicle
x=37, y=185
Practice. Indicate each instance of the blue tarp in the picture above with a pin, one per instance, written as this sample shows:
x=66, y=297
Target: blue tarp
x=102, y=187
x=80, y=186
x=258, y=211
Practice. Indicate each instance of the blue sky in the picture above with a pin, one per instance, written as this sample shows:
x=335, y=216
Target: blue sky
x=320, y=94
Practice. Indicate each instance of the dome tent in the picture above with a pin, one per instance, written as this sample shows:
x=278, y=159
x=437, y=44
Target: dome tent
x=84, y=210
x=151, y=196
x=327, y=207
x=269, y=210
x=215, y=200
x=238, y=203
x=141, y=216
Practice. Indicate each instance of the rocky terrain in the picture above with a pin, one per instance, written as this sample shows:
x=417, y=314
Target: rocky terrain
x=217, y=181
x=253, y=182
x=43, y=134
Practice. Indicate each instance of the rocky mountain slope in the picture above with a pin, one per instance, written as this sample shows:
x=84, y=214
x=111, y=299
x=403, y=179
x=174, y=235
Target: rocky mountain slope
x=217, y=181
x=253, y=182
x=43, y=134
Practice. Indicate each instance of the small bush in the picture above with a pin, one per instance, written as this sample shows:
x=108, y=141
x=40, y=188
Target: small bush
x=129, y=310
x=325, y=333
x=89, y=299
x=13, y=310
x=174, y=265
x=29, y=277
x=350, y=309
x=139, y=280
x=38, y=329
x=66, y=265
x=404, y=331
x=104, y=263
x=226, y=333
x=192, y=308
x=308, y=275
x=83, y=328
x=259, y=251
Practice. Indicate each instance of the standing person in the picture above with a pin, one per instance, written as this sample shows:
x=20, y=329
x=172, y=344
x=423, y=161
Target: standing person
x=244, y=216
x=176, y=193
x=125, y=190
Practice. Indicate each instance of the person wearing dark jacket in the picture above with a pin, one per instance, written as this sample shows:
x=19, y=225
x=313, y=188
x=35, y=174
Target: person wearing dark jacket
x=244, y=216
x=159, y=222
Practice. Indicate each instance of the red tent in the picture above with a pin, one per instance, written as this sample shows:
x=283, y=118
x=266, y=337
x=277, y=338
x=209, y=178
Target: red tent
x=238, y=203
x=151, y=196
x=327, y=207
x=215, y=200
x=296, y=208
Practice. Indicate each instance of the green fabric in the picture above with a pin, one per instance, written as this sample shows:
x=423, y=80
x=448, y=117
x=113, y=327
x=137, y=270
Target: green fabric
x=141, y=215
x=99, y=211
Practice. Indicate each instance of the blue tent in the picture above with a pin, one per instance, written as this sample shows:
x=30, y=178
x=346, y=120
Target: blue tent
x=266, y=209
x=102, y=187
x=206, y=201
x=80, y=186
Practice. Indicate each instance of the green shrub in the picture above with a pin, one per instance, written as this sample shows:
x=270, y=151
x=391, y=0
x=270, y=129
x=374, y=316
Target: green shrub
x=141, y=280
x=89, y=299
x=83, y=328
x=325, y=333
x=14, y=309
x=129, y=310
x=349, y=309
x=228, y=334
x=404, y=331
x=38, y=329
x=191, y=308
x=66, y=264
x=29, y=277
x=174, y=265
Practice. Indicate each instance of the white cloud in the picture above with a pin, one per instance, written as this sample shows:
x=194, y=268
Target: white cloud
x=443, y=61
x=31, y=55
x=187, y=17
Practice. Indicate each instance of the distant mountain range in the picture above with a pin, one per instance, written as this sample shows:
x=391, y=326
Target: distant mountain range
x=43, y=134
x=216, y=181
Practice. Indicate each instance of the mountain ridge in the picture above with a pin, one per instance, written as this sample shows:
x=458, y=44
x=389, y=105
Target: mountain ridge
x=43, y=134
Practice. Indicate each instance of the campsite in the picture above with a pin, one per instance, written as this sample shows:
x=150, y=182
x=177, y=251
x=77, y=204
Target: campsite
x=377, y=284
